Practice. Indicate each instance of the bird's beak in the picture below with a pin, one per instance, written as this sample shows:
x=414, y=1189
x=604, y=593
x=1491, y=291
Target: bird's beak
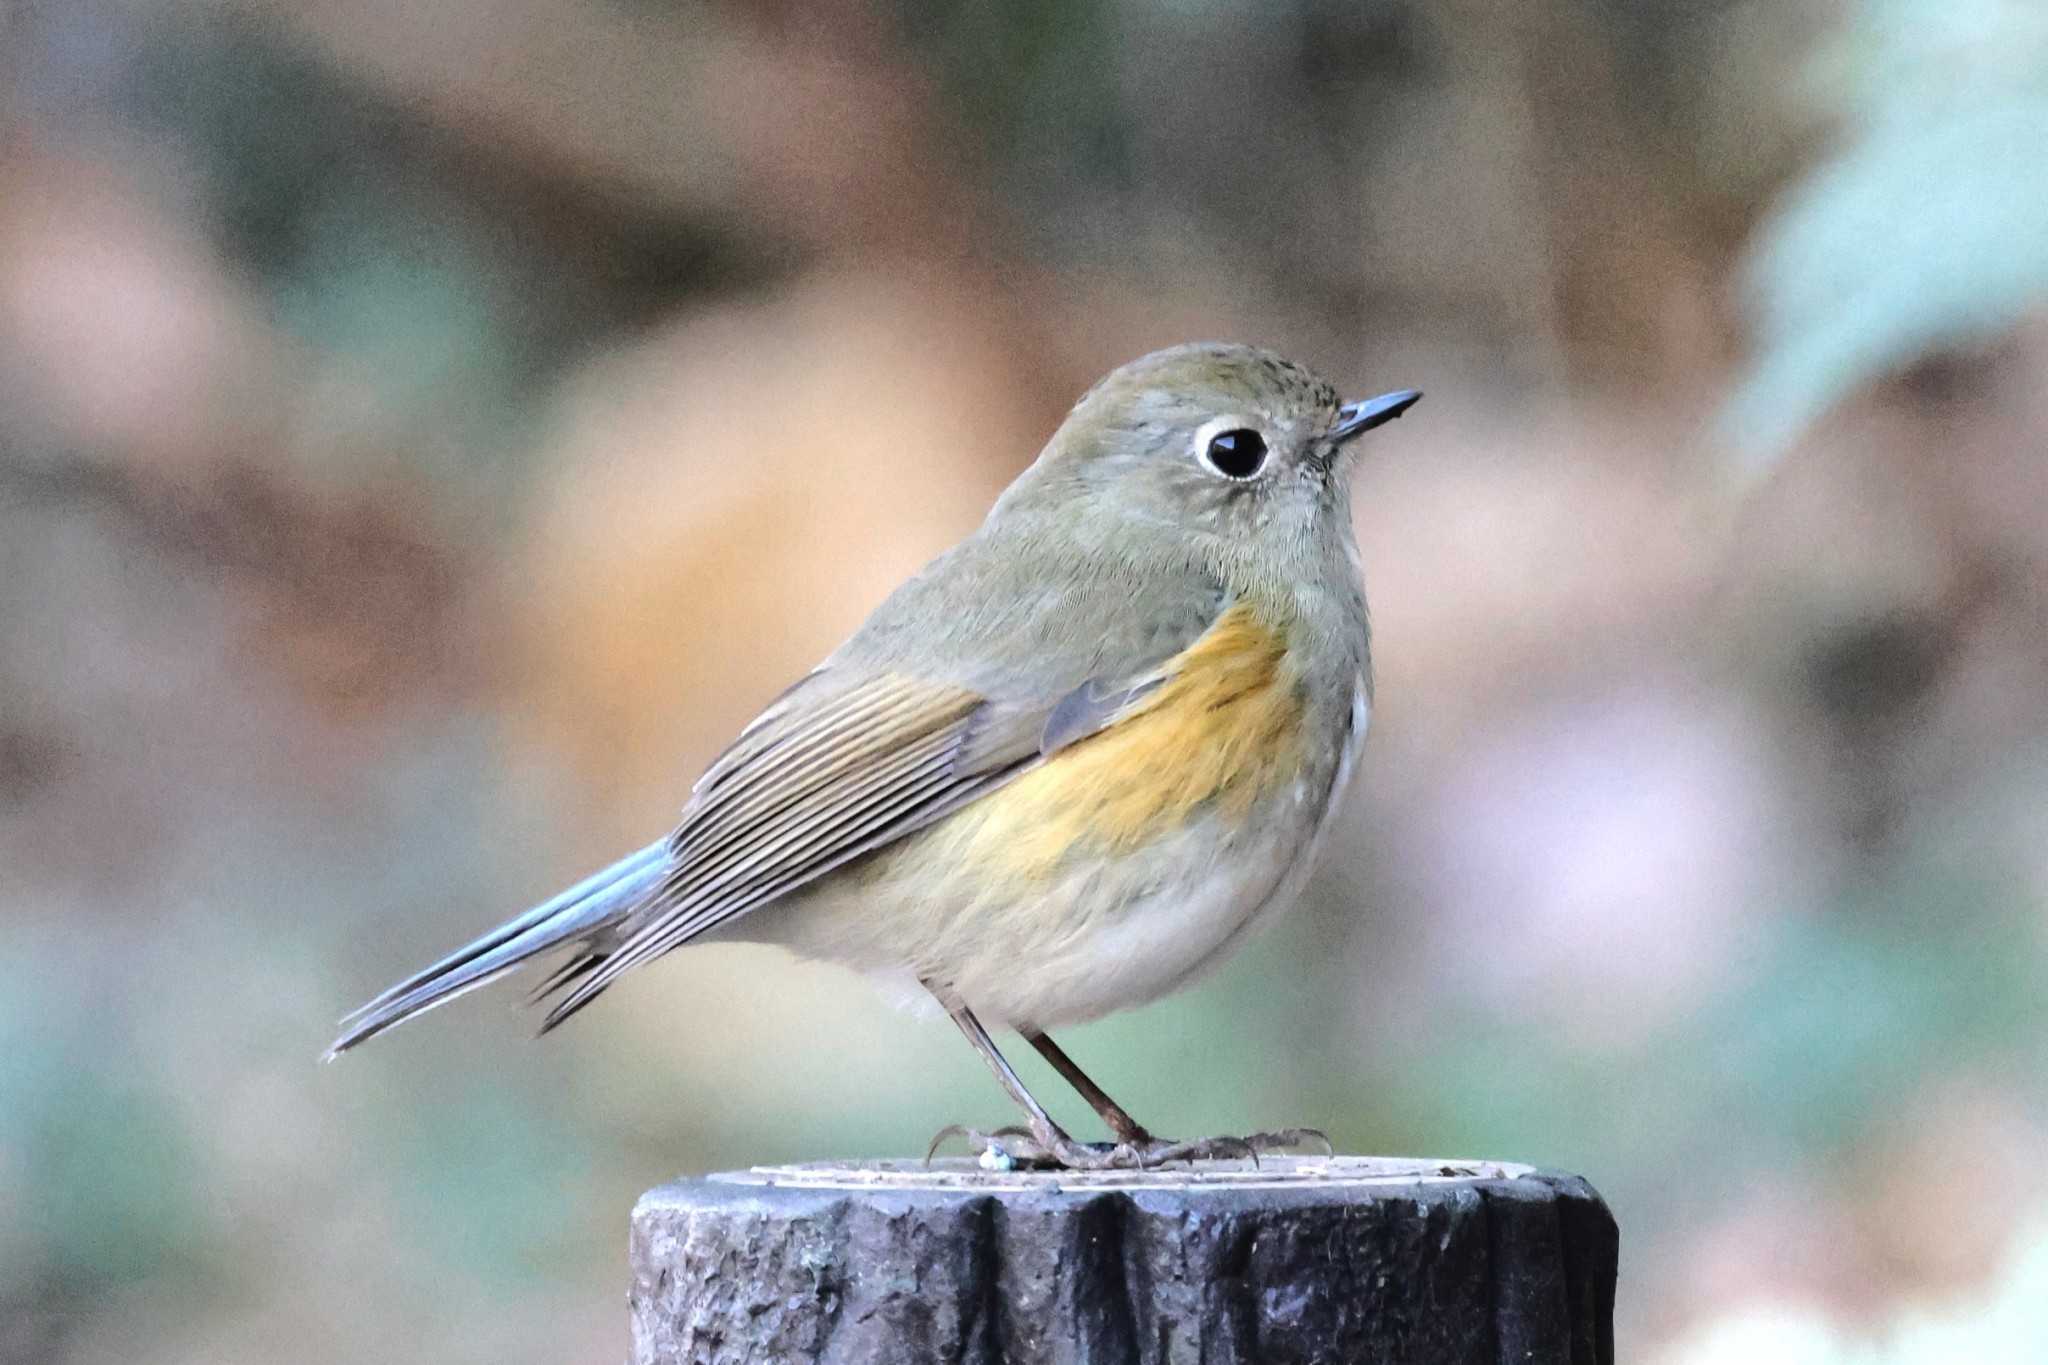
x=1363, y=416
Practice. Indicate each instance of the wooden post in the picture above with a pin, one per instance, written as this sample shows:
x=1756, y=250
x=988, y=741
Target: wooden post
x=1303, y=1259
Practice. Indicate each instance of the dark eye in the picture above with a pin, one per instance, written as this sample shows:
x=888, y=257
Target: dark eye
x=1238, y=453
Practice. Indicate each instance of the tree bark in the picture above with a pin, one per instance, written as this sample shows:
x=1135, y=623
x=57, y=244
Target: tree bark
x=1303, y=1259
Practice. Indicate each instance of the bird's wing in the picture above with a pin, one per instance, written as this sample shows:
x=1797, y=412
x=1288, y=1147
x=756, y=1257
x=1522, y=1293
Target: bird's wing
x=845, y=762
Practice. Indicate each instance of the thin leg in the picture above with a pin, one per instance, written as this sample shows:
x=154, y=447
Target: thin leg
x=1011, y=1082
x=1126, y=1128
x=1041, y=1141
x=1044, y=1143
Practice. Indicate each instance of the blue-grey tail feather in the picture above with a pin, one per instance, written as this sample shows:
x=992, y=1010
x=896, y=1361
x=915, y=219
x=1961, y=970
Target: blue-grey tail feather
x=576, y=913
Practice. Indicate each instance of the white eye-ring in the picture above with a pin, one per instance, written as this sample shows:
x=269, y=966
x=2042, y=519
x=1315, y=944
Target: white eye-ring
x=1232, y=446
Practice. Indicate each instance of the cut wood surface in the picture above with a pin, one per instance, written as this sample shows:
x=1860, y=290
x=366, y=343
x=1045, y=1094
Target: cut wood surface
x=1299, y=1259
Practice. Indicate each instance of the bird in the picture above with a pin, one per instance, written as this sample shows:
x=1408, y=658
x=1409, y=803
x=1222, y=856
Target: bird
x=1061, y=771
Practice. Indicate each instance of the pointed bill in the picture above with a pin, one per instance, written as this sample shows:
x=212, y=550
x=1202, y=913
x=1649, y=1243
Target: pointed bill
x=1354, y=419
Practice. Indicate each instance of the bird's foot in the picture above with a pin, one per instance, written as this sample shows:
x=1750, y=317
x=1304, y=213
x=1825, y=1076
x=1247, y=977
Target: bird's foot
x=1016, y=1148
x=1008, y=1149
x=1249, y=1147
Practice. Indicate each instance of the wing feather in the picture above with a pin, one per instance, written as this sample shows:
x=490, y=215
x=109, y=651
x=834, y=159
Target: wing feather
x=787, y=742
x=832, y=769
x=835, y=768
x=814, y=827
x=820, y=785
x=781, y=866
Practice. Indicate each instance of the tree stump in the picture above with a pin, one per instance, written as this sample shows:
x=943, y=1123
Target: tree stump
x=1301, y=1259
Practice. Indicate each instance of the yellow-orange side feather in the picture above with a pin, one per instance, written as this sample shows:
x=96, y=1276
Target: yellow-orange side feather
x=1224, y=728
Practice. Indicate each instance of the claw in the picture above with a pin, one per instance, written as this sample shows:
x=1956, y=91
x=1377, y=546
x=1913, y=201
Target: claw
x=951, y=1130
x=1202, y=1149
x=1013, y=1147
x=1010, y=1147
x=1282, y=1138
x=978, y=1142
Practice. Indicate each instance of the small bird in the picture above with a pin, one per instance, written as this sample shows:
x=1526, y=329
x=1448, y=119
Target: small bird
x=1061, y=771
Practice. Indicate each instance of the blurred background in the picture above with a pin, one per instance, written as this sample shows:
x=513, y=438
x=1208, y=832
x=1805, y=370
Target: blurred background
x=427, y=431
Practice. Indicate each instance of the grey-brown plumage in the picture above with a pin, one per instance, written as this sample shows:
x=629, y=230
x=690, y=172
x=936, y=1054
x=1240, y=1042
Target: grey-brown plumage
x=1136, y=686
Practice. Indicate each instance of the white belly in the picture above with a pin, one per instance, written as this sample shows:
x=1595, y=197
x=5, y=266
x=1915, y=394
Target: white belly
x=1151, y=944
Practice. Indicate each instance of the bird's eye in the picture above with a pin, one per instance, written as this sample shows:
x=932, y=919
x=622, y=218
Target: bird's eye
x=1237, y=453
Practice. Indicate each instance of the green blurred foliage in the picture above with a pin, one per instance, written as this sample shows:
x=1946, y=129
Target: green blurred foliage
x=1924, y=231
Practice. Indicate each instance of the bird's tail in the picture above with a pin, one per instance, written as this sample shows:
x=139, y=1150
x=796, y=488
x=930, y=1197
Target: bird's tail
x=577, y=913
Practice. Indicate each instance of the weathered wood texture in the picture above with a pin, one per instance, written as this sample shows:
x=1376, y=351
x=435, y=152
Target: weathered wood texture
x=1339, y=1260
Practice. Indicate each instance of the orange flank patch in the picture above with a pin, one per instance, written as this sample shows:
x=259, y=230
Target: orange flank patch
x=1223, y=730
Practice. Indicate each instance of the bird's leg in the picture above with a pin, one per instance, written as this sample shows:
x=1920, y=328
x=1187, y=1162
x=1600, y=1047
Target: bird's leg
x=1126, y=1128
x=1147, y=1150
x=1042, y=1142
